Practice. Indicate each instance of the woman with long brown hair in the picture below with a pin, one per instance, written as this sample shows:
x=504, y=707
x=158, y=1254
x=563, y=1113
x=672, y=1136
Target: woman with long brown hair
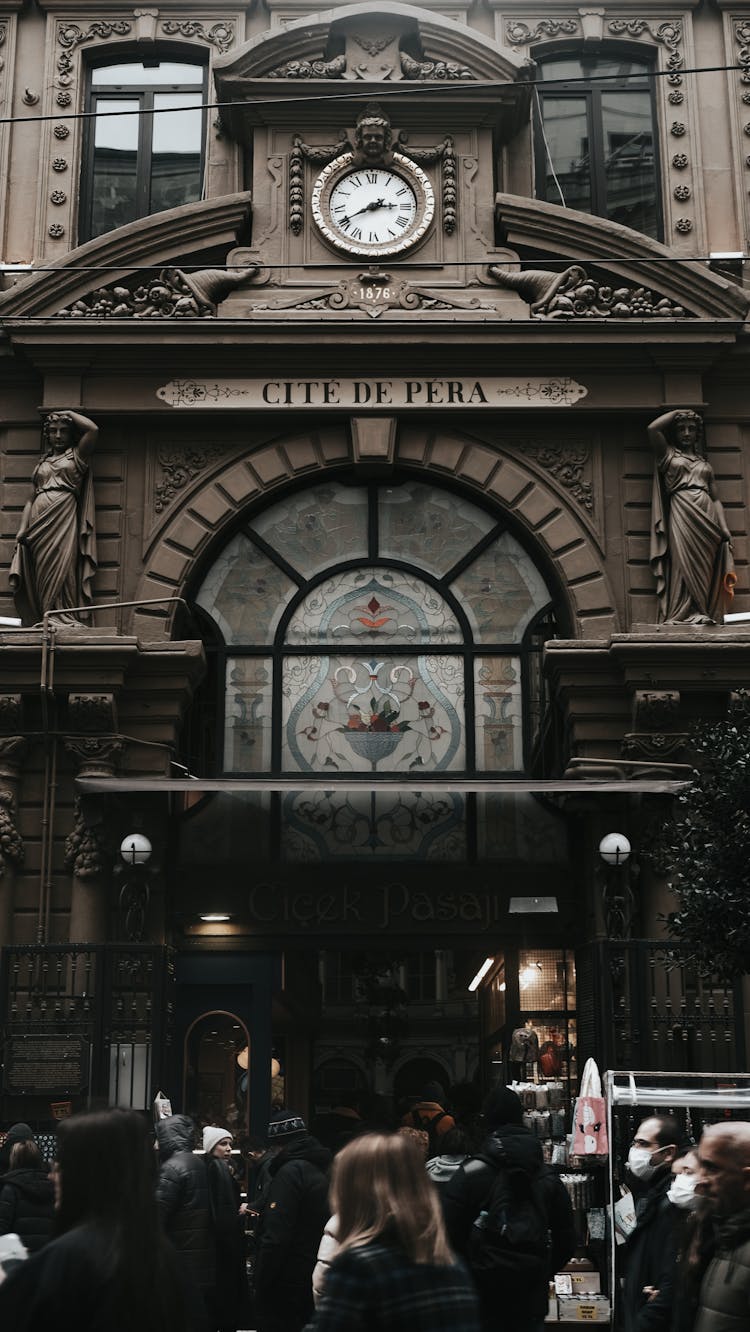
x=394, y=1270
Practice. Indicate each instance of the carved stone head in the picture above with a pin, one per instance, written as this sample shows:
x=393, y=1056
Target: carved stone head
x=687, y=431
x=373, y=136
x=57, y=432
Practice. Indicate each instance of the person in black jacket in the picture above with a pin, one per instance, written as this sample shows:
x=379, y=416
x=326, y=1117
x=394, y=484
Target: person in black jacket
x=651, y=1248
x=520, y=1307
x=294, y=1214
x=16, y=1133
x=228, y=1301
x=184, y=1205
x=27, y=1197
x=109, y=1269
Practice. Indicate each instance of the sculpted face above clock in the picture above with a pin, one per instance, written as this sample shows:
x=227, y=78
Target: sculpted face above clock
x=372, y=210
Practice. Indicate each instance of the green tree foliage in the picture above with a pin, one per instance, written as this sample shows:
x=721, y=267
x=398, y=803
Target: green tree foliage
x=707, y=848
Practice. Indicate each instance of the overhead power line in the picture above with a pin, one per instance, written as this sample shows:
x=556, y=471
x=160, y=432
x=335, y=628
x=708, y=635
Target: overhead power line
x=402, y=90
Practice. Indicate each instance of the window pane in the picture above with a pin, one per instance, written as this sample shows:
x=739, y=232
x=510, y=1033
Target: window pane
x=375, y=606
x=175, y=151
x=567, y=151
x=115, y=164
x=317, y=528
x=245, y=593
x=629, y=164
x=394, y=714
x=572, y=67
x=339, y=825
x=501, y=591
x=498, y=714
x=519, y=827
x=247, y=725
x=428, y=527
x=146, y=77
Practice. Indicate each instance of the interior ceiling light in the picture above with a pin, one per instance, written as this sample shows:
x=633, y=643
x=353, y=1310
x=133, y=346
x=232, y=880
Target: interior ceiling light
x=214, y=917
x=532, y=906
x=473, y=985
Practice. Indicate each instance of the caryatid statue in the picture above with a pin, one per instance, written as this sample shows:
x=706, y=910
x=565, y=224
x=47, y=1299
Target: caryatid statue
x=54, y=561
x=691, y=545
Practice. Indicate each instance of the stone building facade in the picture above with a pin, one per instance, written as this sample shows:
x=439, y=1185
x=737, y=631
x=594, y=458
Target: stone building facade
x=373, y=649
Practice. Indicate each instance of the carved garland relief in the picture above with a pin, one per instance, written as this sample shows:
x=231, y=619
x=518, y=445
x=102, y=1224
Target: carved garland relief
x=679, y=209
x=741, y=30
x=61, y=164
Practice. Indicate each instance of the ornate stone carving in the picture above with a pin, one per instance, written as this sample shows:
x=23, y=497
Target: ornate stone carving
x=56, y=230
x=92, y=712
x=680, y=161
x=323, y=154
x=59, y=164
x=310, y=69
x=221, y=35
x=95, y=755
x=11, y=712
x=683, y=225
x=518, y=33
x=572, y=294
x=691, y=551
x=180, y=466
x=11, y=844
x=655, y=710
x=54, y=561
x=448, y=70
x=566, y=462
x=742, y=38
x=173, y=295
x=374, y=293
x=85, y=851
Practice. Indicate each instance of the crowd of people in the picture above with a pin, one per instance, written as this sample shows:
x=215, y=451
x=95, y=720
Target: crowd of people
x=437, y=1224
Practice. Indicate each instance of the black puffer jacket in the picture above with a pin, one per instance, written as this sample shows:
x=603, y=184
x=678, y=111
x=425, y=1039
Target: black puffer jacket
x=469, y=1192
x=294, y=1214
x=650, y=1259
x=27, y=1207
x=183, y=1199
x=724, y=1302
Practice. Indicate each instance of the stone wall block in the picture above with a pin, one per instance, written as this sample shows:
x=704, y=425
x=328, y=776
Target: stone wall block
x=212, y=506
x=578, y=563
x=561, y=532
x=171, y=565
x=239, y=484
x=446, y=454
x=301, y=454
x=478, y=465
x=536, y=507
x=187, y=534
x=269, y=465
x=591, y=596
x=508, y=483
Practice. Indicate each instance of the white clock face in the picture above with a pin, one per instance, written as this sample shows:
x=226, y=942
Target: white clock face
x=373, y=210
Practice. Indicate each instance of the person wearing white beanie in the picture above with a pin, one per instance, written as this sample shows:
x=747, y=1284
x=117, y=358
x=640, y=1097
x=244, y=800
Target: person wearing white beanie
x=230, y=1292
x=212, y=1137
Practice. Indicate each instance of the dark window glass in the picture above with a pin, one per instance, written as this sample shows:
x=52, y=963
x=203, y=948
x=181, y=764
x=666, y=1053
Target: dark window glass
x=143, y=156
x=596, y=145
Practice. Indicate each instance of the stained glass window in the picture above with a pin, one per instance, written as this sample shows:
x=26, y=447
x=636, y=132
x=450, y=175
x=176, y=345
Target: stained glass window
x=388, y=631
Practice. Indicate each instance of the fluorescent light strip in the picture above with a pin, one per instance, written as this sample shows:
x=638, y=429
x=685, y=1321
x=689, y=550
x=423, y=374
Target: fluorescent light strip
x=488, y=961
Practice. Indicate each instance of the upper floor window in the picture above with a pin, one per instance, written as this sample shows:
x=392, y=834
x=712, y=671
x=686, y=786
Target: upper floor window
x=142, y=155
x=596, y=145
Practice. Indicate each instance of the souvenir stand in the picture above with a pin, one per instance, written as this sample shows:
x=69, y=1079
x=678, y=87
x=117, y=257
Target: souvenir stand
x=696, y=1099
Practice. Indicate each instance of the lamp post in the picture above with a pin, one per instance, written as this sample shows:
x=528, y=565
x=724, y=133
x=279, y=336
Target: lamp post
x=135, y=850
x=617, y=894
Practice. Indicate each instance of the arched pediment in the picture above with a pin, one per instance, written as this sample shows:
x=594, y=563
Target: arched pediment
x=452, y=49
x=600, y=247
x=141, y=247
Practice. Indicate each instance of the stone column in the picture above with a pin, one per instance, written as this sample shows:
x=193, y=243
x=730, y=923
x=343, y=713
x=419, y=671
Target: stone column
x=86, y=853
x=12, y=751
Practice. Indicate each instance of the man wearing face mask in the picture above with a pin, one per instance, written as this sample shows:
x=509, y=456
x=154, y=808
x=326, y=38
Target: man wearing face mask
x=651, y=1251
x=724, y=1184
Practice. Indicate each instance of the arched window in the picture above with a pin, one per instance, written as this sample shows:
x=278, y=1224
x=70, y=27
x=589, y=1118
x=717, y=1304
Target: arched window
x=144, y=147
x=378, y=632
x=596, y=141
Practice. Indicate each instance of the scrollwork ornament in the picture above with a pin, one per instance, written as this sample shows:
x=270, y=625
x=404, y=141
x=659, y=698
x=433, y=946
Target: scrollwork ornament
x=574, y=294
x=221, y=35
x=180, y=466
x=742, y=37
x=173, y=295
x=519, y=33
x=11, y=843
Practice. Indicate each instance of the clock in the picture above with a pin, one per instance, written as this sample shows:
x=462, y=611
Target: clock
x=370, y=210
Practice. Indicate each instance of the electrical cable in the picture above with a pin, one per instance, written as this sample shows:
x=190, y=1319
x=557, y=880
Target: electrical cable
x=402, y=91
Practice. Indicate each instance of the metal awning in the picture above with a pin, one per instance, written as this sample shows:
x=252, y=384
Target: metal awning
x=302, y=782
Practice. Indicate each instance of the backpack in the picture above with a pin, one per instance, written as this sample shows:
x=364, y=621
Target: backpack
x=511, y=1236
x=428, y=1124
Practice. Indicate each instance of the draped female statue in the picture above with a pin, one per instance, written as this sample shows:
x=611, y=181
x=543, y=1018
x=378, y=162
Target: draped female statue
x=55, y=557
x=691, y=545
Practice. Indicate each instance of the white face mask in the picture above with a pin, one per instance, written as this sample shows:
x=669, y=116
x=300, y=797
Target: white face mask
x=639, y=1162
x=681, y=1191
